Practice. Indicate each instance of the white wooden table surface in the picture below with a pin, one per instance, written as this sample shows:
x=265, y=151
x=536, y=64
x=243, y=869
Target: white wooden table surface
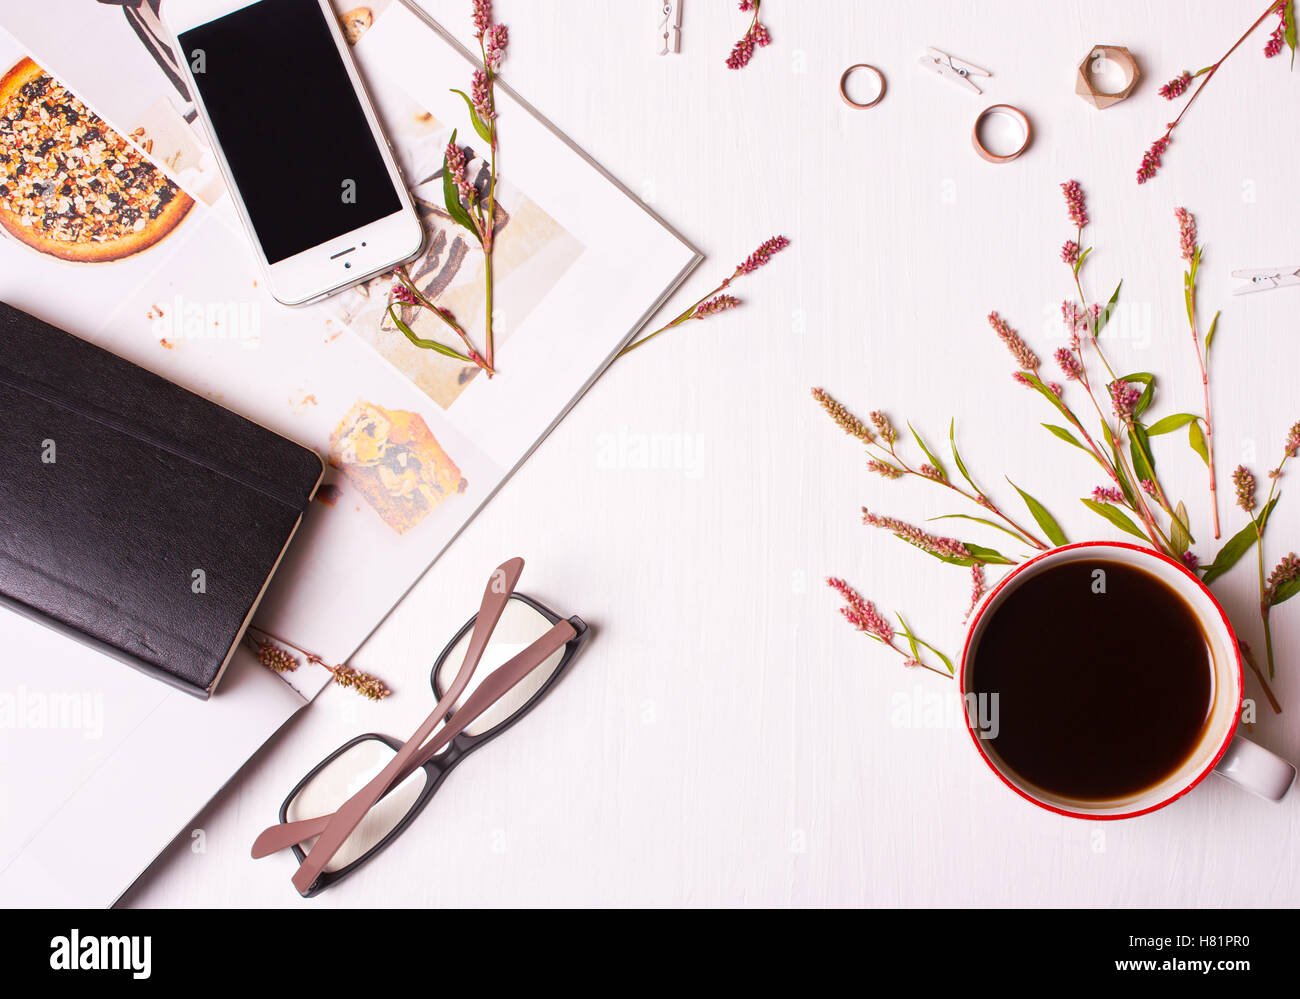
x=726, y=739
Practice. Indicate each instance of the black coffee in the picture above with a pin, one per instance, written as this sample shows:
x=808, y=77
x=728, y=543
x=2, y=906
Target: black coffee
x=1103, y=675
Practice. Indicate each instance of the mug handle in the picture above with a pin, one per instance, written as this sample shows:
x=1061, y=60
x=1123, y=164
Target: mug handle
x=1250, y=765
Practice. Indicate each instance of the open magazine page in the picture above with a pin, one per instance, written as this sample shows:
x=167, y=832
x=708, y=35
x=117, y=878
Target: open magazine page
x=416, y=442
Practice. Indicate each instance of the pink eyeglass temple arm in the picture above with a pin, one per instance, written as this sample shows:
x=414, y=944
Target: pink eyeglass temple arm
x=499, y=682
x=342, y=823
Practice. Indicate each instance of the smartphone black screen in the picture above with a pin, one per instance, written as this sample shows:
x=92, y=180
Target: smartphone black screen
x=289, y=122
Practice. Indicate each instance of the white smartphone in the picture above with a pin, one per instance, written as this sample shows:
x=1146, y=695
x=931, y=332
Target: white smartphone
x=304, y=158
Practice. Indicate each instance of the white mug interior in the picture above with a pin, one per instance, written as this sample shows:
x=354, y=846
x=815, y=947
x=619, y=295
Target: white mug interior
x=1226, y=691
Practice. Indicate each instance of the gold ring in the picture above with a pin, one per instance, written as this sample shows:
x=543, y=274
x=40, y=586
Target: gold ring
x=844, y=79
x=1011, y=112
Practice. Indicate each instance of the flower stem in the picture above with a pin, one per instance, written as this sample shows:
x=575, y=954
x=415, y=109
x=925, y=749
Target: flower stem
x=1259, y=675
x=1211, y=70
x=683, y=317
x=446, y=317
x=1203, y=360
x=979, y=498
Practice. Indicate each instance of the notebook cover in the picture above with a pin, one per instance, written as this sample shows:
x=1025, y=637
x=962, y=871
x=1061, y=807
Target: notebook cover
x=135, y=515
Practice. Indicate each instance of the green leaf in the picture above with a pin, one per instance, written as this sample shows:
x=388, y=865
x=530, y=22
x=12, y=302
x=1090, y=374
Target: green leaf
x=1079, y=263
x=946, y=661
x=1105, y=315
x=1065, y=435
x=978, y=553
x=1290, y=34
x=1041, y=388
x=934, y=459
x=978, y=520
x=422, y=343
x=1045, y=520
x=451, y=196
x=956, y=456
x=1144, y=465
x=1237, y=546
x=1168, y=424
x=1115, y=516
x=950, y=559
x=1197, y=440
x=1146, y=379
x=1127, y=488
x=1179, y=535
x=480, y=126
x=1189, y=295
x=911, y=639
x=1284, y=592
x=988, y=556
x=1209, y=337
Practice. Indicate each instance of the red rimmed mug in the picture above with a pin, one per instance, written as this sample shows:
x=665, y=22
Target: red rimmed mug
x=1218, y=750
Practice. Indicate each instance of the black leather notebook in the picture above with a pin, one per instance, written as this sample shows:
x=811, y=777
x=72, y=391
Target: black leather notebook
x=135, y=515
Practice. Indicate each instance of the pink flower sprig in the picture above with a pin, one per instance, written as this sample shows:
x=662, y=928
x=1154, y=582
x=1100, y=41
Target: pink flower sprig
x=469, y=208
x=1283, y=33
x=1175, y=87
x=1273, y=47
x=1284, y=581
x=405, y=294
x=881, y=441
x=1131, y=497
x=1017, y=347
x=714, y=302
x=1075, y=205
x=1201, y=429
x=756, y=36
x=274, y=653
x=863, y=616
x=945, y=548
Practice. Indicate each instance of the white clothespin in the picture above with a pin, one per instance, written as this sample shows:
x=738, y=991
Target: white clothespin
x=670, y=26
x=953, y=69
x=1266, y=279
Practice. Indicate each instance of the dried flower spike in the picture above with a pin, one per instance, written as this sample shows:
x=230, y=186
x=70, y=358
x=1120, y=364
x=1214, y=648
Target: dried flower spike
x=1275, y=41
x=1075, y=206
x=1070, y=252
x=847, y=422
x=498, y=37
x=275, y=658
x=1186, y=233
x=1123, y=398
x=1244, y=483
x=763, y=254
x=1292, y=445
x=883, y=427
x=714, y=305
x=755, y=35
x=1151, y=161
x=861, y=613
x=1025, y=357
x=363, y=683
x=482, y=17
x=271, y=655
x=1286, y=571
x=1069, y=364
x=1175, y=87
x=456, y=167
x=932, y=543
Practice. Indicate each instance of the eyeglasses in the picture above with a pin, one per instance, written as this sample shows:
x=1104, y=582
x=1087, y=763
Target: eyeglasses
x=367, y=792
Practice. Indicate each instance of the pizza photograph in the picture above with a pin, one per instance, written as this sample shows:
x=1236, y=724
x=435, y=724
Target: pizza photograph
x=70, y=186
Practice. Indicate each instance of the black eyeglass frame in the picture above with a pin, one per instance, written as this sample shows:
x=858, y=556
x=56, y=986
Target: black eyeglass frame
x=437, y=769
